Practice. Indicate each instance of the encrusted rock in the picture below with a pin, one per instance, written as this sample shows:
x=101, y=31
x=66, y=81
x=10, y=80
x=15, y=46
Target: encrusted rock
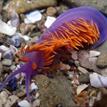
x=54, y=91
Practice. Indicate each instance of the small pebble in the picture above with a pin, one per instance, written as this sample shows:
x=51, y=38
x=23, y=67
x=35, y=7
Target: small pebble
x=13, y=49
x=59, y=105
x=24, y=103
x=12, y=67
x=13, y=84
x=49, y=21
x=16, y=40
x=37, y=95
x=36, y=103
x=84, y=78
x=93, y=53
x=74, y=55
x=7, y=62
x=102, y=60
x=7, y=29
x=8, y=55
x=33, y=17
x=51, y=11
x=83, y=70
x=3, y=48
x=70, y=75
x=4, y=96
x=81, y=88
x=34, y=86
x=26, y=38
x=77, y=63
x=11, y=100
x=64, y=66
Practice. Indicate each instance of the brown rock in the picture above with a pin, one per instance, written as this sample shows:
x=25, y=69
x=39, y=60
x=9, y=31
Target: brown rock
x=22, y=6
x=51, y=11
x=54, y=91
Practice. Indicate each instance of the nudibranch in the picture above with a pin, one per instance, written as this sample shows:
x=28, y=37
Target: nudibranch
x=73, y=29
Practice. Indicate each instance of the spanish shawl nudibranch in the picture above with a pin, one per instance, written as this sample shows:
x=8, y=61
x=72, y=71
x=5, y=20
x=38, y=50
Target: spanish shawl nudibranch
x=72, y=30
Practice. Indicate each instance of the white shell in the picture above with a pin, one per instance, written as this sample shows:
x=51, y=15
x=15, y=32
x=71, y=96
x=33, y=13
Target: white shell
x=83, y=70
x=93, y=53
x=81, y=87
x=97, y=80
x=33, y=17
x=34, y=86
x=6, y=29
x=24, y=103
x=25, y=37
x=49, y=21
x=4, y=48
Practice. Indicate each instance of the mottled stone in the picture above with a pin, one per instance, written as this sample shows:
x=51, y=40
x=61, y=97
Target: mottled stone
x=54, y=91
x=3, y=97
x=87, y=62
x=102, y=60
x=11, y=100
x=84, y=78
x=24, y=103
x=7, y=62
x=36, y=103
x=103, y=47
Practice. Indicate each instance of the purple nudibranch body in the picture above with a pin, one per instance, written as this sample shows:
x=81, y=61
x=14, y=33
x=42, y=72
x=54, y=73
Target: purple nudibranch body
x=87, y=13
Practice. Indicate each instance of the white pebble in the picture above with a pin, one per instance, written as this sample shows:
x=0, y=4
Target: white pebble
x=24, y=103
x=93, y=53
x=4, y=48
x=3, y=96
x=33, y=17
x=98, y=80
x=6, y=29
x=81, y=87
x=49, y=21
x=34, y=86
x=37, y=95
x=13, y=49
x=70, y=74
x=83, y=70
x=26, y=38
x=36, y=103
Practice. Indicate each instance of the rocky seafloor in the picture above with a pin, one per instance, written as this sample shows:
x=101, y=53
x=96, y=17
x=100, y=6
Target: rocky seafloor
x=79, y=83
